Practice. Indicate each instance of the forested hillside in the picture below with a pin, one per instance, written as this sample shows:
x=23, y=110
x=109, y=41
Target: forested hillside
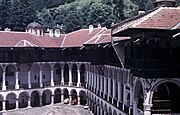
x=69, y=14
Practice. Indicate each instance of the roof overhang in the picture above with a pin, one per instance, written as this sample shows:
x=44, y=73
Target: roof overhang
x=132, y=31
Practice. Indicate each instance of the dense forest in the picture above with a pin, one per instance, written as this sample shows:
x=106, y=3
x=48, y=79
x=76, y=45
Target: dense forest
x=69, y=14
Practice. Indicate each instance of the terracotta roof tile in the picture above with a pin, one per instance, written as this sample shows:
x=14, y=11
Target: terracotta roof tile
x=16, y=39
x=161, y=18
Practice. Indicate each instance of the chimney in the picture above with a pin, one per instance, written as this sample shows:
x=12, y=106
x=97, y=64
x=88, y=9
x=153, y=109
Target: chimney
x=91, y=28
x=99, y=25
x=51, y=32
x=165, y=3
x=57, y=32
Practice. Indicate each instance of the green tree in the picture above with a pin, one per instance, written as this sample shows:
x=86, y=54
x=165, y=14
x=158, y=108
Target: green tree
x=5, y=13
x=100, y=14
x=22, y=15
x=118, y=10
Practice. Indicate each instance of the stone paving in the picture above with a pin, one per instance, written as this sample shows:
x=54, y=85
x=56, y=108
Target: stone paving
x=56, y=109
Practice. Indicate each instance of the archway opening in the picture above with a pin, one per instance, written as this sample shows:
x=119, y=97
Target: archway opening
x=74, y=97
x=138, y=95
x=82, y=74
x=66, y=74
x=1, y=102
x=57, y=74
x=23, y=99
x=35, y=100
x=10, y=77
x=10, y=101
x=74, y=75
x=46, y=73
x=110, y=111
x=66, y=94
x=82, y=95
x=166, y=99
x=114, y=113
x=57, y=96
x=46, y=97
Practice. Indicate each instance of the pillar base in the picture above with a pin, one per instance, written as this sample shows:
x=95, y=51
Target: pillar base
x=41, y=85
x=4, y=88
x=52, y=84
x=70, y=83
x=78, y=84
x=62, y=82
x=16, y=86
x=29, y=86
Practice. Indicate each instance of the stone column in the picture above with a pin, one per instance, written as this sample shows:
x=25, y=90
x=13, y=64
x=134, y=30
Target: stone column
x=70, y=99
x=101, y=86
x=40, y=100
x=29, y=79
x=29, y=102
x=52, y=77
x=52, y=99
x=134, y=107
x=70, y=78
x=62, y=98
x=105, y=86
x=114, y=90
x=17, y=104
x=3, y=80
x=40, y=78
x=17, y=80
x=147, y=109
x=4, y=105
x=62, y=77
x=79, y=100
x=79, y=78
x=97, y=109
x=109, y=88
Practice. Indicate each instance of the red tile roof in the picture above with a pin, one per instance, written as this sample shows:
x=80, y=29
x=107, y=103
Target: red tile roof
x=80, y=37
x=23, y=39
x=161, y=18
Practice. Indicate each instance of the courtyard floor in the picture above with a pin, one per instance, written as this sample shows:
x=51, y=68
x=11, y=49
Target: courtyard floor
x=56, y=109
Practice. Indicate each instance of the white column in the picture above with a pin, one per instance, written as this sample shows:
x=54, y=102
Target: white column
x=70, y=99
x=52, y=77
x=4, y=105
x=70, y=78
x=97, y=81
x=78, y=100
x=135, y=107
x=105, y=86
x=29, y=102
x=62, y=97
x=3, y=81
x=79, y=78
x=97, y=110
x=94, y=77
x=52, y=99
x=17, y=104
x=101, y=80
x=40, y=100
x=124, y=94
x=29, y=79
x=62, y=77
x=17, y=81
x=109, y=87
x=147, y=109
x=40, y=78
x=119, y=92
x=114, y=89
